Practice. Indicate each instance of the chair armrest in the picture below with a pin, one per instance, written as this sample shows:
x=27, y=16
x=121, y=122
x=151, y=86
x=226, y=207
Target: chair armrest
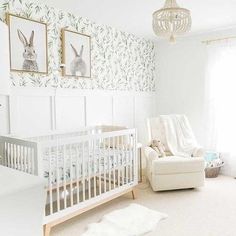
x=199, y=152
x=150, y=153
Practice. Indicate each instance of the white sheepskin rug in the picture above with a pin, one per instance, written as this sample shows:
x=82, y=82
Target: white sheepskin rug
x=133, y=220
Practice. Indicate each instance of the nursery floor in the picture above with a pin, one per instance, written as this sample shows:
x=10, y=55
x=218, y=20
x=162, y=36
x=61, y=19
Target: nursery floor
x=207, y=211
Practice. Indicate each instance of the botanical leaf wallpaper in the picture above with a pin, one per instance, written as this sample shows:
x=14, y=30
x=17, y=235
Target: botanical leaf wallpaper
x=120, y=61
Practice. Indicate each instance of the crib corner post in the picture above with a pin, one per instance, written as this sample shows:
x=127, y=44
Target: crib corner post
x=2, y=157
x=135, y=158
x=47, y=229
x=38, y=160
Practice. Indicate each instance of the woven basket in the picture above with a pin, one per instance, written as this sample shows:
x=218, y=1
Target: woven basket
x=213, y=172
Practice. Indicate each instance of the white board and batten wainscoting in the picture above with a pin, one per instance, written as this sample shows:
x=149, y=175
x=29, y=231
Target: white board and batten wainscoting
x=42, y=110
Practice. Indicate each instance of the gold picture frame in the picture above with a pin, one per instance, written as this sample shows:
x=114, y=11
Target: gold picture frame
x=76, y=54
x=29, y=58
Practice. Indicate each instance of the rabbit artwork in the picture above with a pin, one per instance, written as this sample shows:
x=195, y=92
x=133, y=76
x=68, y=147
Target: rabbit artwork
x=29, y=54
x=78, y=64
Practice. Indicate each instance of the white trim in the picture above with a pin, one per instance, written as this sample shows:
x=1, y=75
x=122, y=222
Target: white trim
x=27, y=91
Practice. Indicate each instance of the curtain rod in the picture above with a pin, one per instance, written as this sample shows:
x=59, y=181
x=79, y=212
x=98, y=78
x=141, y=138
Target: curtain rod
x=218, y=39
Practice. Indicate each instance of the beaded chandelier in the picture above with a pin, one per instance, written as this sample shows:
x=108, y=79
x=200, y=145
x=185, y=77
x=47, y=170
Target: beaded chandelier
x=171, y=20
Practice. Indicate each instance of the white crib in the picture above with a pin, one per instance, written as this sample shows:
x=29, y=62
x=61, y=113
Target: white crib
x=83, y=169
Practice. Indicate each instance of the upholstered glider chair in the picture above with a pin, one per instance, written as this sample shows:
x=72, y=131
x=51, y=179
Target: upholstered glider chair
x=181, y=171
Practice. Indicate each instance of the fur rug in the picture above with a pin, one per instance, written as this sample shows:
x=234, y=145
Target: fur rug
x=134, y=220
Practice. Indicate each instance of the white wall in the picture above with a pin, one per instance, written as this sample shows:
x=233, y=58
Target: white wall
x=180, y=88
x=181, y=82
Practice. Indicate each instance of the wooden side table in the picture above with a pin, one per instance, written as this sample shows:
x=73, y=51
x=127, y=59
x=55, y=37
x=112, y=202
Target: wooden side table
x=140, y=174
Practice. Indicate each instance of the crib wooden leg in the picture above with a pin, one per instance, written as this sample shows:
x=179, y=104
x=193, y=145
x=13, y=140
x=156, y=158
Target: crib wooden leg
x=47, y=229
x=133, y=194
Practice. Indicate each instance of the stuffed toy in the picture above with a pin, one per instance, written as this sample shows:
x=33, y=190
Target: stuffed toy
x=159, y=147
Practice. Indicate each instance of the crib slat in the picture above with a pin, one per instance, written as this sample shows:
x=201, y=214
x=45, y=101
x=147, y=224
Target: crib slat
x=20, y=158
x=14, y=155
x=24, y=158
x=113, y=162
x=57, y=178
x=135, y=165
x=50, y=182
x=64, y=177
x=89, y=169
x=123, y=166
x=5, y=154
x=99, y=168
x=32, y=161
x=129, y=158
x=8, y=155
x=94, y=158
x=104, y=166
x=77, y=171
x=83, y=172
x=125, y=160
x=109, y=162
x=71, y=176
x=118, y=160
x=19, y=155
x=132, y=160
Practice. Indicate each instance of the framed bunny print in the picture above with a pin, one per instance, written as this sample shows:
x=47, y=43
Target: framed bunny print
x=76, y=54
x=28, y=45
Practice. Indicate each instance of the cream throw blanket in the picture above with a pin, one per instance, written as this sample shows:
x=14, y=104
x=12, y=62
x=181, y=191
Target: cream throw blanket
x=179, y=136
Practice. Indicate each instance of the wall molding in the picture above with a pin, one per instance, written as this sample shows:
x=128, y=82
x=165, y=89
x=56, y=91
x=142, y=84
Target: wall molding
x=39, y=110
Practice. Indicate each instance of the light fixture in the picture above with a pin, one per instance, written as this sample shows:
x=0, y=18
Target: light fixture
x=4, y=60
x=171, y=20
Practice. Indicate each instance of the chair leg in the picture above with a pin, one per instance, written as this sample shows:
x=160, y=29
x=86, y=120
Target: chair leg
x=133, y=194
x=47, y=230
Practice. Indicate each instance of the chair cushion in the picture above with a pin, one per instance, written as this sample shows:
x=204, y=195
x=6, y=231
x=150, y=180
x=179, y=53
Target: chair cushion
x=157, y=131
x=175, y=165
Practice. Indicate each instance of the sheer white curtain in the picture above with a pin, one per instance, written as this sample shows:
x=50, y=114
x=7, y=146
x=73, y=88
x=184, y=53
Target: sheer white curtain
x=221, y=97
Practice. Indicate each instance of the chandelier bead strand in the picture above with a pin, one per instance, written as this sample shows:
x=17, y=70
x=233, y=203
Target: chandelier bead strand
x=171, y=20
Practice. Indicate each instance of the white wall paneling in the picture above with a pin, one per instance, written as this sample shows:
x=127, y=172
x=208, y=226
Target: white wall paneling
x=40, y=110
x=70, y=112
x=123, y=110
x=99, y=109
x=31, y=113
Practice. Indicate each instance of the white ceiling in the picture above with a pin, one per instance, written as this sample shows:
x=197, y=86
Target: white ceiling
x=135, y=16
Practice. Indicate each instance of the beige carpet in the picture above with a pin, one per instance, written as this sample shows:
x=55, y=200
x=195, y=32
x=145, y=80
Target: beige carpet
x=208, y=211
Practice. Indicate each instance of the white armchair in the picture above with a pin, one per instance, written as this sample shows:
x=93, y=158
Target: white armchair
x=172, y=172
